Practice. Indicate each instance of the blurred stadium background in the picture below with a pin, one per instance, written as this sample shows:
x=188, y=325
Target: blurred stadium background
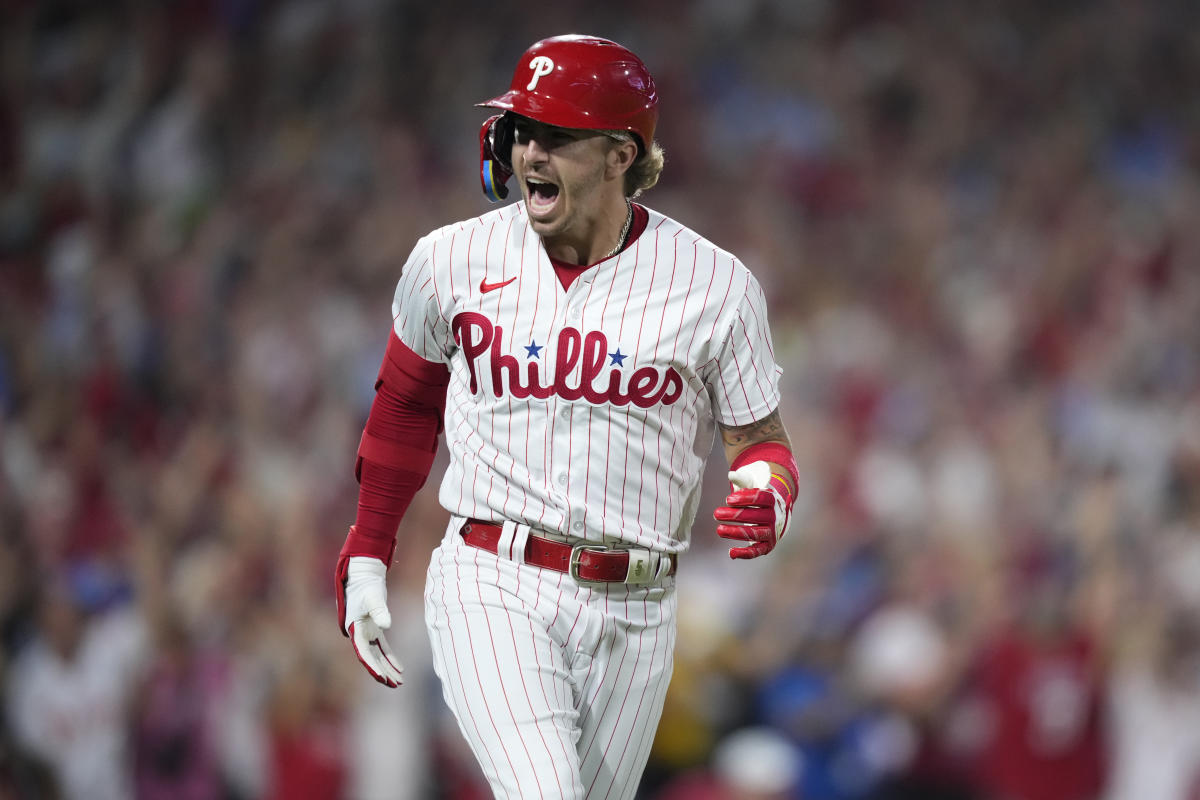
x=979, y=227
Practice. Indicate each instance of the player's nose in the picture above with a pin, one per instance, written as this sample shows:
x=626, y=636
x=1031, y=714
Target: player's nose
x=535, y=152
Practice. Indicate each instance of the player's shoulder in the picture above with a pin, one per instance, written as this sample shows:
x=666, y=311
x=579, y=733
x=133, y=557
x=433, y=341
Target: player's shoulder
x=670, y=232
x=467, y=227
x=443, y=250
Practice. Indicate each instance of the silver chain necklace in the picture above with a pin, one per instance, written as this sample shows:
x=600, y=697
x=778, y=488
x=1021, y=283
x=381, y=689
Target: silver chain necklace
x=624, y=231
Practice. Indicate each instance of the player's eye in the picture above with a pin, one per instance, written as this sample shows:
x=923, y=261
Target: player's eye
x=547, y=136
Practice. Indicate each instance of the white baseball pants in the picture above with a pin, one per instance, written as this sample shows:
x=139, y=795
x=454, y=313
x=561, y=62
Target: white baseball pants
x=558, y=688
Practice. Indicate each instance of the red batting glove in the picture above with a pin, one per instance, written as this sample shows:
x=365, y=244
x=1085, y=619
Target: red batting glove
x=756, y=511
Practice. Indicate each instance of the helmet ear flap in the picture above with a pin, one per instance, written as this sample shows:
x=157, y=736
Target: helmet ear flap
x=502, y=140
x=495, y=156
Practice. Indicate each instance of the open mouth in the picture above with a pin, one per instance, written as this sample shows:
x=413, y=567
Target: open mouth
x=542, y=195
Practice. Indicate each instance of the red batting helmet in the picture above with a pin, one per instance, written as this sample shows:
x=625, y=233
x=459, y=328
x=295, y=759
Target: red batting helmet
x=583, y=82
x=571, y=81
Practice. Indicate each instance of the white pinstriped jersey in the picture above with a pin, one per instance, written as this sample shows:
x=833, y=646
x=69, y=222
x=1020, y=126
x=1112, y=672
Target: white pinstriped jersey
x=588, y=411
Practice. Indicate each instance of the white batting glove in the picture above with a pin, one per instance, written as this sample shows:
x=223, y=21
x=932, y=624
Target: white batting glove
x=757, y=511
x=366, y=617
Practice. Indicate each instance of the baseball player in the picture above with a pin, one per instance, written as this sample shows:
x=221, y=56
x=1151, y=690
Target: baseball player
x=579, y=351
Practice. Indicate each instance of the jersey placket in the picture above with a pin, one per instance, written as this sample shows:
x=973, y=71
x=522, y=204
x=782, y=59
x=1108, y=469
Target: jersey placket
x=568, y=474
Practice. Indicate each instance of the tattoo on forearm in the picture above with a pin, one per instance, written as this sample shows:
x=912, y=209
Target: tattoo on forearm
x=766, y=429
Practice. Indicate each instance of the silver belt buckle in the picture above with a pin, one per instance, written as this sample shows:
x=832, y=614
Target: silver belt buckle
x=573, y=564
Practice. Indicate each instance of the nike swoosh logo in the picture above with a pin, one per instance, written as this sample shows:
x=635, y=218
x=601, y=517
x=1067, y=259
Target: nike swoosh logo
x=485, y=287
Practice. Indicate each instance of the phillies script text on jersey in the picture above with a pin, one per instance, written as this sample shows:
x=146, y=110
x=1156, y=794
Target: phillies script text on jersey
x=644, y=387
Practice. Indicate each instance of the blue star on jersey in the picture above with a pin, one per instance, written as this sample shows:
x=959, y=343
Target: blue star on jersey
x=533, y=349
x=618, y=358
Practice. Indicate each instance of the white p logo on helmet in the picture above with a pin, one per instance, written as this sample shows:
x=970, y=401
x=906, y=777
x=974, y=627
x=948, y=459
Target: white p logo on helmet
x=540, y=66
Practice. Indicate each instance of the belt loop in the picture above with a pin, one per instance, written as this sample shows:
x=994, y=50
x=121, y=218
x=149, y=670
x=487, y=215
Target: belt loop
x=663, y=566
x=513, y=539
x=643, y=565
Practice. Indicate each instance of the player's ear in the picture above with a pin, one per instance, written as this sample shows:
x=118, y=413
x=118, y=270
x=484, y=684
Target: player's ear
x=621, y=155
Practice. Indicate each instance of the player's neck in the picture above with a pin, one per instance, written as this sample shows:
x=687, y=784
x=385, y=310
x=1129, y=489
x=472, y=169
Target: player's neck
x=602, y=239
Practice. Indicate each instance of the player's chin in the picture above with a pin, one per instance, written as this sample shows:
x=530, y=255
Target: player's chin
x=548, y=228
x=543, y=227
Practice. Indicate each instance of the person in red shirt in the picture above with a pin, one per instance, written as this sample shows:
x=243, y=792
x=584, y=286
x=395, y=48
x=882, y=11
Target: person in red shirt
x=1039, y=685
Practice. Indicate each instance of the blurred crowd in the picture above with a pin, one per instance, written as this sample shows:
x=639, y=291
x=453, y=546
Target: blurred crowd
x=978, y=225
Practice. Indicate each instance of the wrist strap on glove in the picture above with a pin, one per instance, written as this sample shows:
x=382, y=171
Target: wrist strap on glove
x=774, y=453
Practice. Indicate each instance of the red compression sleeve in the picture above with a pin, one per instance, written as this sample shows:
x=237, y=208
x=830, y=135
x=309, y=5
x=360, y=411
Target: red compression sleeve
x=398, y=446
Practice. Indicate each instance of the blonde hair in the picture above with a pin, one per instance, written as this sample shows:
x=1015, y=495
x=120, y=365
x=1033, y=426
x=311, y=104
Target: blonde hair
x=646, y=168
x=645, y=171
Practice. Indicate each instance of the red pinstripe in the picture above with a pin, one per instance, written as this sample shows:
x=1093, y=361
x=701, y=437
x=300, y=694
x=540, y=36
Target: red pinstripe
x=741, y=380
x=591, y=288
x=558, y=588
x=500, y=672
x=574, y=623
x=475, y=662
x=469, y=710
x=662, y=325
x=621, y=327
x=641, y=699
x=674, y=346
x=620, y=661
x=637, y=349
x=538, y=662
x=449, y=272
x=761, y=326
x=647, y=739
x=753, y=367
x=587, y=702
x=541, y=265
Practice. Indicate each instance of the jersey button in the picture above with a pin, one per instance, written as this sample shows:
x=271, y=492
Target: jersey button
x=561, y=479
x=565, y=413
x=577, y=526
